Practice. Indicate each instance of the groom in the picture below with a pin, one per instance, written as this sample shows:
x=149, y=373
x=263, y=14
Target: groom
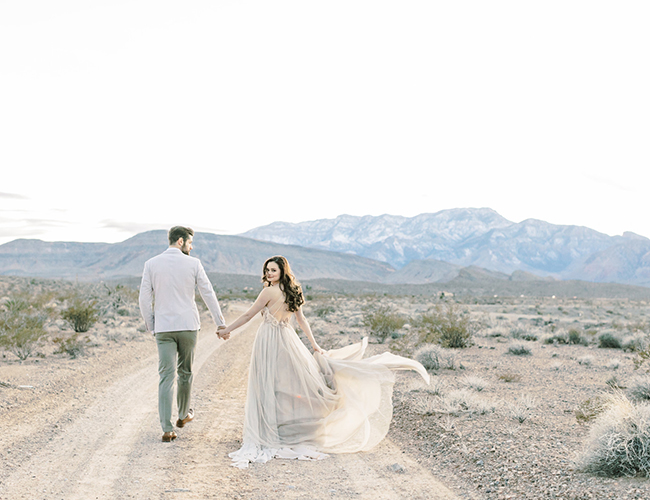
x=169, y=280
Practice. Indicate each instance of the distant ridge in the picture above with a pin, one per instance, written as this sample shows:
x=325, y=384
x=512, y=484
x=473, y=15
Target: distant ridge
x=224, y=254
x=473, y=237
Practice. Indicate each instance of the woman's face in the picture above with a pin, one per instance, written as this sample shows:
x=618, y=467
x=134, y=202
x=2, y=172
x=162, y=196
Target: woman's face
x=272, y=273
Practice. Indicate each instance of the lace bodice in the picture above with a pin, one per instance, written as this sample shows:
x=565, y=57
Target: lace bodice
x=270, y=318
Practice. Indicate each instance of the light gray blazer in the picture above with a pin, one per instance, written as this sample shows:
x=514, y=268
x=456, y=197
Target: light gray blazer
x=167, y=293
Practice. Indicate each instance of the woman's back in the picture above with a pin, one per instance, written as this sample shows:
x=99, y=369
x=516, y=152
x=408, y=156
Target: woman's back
x=276, y=304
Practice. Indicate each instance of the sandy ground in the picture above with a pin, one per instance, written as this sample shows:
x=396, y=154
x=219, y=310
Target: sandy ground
x=88, y=429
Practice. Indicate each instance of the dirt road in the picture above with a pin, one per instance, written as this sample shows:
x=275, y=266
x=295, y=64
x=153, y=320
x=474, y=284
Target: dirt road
x=110, y=448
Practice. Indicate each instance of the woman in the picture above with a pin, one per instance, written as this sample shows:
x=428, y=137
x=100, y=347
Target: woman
x=301, y=405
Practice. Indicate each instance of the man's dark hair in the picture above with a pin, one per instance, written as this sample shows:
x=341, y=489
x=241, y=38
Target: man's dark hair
x=177, y=232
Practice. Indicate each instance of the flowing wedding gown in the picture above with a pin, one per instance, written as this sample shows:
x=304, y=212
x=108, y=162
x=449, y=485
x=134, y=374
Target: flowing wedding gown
x=303, y=406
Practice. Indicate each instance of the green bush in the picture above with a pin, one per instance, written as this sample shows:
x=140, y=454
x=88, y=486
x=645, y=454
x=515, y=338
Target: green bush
x=449, y=327
x=575, y=337
x=519, y=350
x=81, y=315
x=22, y=327
x=323, y=311
x=382, y=321
x=559, y=338
x=71, y=345
x=607, y=340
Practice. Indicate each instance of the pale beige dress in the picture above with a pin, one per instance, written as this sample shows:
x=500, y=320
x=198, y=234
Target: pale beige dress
x=301, y=405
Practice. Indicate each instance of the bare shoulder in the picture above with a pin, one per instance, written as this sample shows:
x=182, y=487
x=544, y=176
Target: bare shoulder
x=271, y=292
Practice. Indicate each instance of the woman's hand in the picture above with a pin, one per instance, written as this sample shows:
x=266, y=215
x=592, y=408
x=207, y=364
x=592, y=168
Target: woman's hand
x=318, y=349
x=223, y=332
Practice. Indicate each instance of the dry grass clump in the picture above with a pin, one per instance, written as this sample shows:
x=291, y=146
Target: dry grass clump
x=518, y=349
x=463, y=400
x=619, y=440
x=636, y=341
x=586, y=360
x=639, y=388
x=590, y=409
x=454, y=403
x=475, y=383
x=509, y=377
x=430, y=356
x=520, y=409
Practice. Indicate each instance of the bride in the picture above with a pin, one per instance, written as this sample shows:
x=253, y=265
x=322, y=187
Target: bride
x=303, y=406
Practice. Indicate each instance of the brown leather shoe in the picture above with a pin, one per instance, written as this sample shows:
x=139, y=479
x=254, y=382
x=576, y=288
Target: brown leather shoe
x=189, y=418
x=168, y=437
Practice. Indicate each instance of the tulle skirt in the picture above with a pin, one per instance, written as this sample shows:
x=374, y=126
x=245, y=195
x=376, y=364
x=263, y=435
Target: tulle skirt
x=304, y=406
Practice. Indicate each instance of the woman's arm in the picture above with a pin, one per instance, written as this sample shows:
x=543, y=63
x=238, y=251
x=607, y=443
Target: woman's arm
x=304, y=326
x=262, y=300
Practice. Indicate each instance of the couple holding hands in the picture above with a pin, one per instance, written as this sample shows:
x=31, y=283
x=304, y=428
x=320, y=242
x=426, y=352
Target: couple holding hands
x=299, y=404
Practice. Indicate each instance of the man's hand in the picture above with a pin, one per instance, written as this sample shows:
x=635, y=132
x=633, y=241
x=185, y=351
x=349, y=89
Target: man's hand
x=223, y=332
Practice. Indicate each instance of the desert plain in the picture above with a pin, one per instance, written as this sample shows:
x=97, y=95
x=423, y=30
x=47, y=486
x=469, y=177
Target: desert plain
x=510, y=415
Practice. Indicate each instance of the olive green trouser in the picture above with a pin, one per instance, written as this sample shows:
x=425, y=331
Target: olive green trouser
x=175, y=355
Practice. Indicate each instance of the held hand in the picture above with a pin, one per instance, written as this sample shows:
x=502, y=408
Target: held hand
x=318, y=349
x=223, y=332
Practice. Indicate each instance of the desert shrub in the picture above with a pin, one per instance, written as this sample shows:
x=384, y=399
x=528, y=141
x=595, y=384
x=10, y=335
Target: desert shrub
x=641, y=357
x=462, y=400
x=519, y=350
x=590, y=408
x=382, y=321
x=509, y=377
x=607, y=340
x=473, y=382
x=637, y=341
x=586, y=360
x=22, y=327
x=558, y=338
x=449, y=327
x=613, y=364
x=323, y=311
x=520, y=409
x=575, y=337
x=517, y=332
x=71, y=345
x=639, y=388
x=81, y=315
x=618, y=443
x=121, y=298
x=430, y=356
x=436, y=387
x=614, y=383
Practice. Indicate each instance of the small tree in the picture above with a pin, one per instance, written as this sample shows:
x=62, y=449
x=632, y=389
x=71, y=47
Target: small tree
x=382, y=322
x=81, y=315
x=22, y=328
x=447, y=327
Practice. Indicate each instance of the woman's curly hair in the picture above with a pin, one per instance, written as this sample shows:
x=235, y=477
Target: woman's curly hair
x=288, y=284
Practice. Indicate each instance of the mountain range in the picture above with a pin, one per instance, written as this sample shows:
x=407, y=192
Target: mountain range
x=468, y=244
x=433, y=247
x=218, y=253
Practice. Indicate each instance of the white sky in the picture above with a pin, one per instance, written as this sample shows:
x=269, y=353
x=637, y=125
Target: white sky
x=122, y=116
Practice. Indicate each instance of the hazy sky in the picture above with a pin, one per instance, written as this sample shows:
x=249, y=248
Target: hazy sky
x=122, y=116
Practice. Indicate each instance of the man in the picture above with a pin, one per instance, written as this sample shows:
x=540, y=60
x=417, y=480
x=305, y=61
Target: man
x=169, y=280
